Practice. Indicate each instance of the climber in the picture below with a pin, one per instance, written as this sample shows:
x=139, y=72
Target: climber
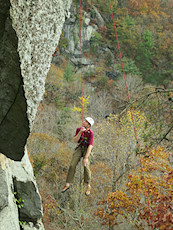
x=84, y=137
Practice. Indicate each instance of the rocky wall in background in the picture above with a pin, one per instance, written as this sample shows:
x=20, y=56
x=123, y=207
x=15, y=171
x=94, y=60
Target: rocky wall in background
x=93, y=51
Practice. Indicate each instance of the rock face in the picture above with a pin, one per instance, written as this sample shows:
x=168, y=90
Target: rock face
x=29, y=34
x=71, y=33
x=14, y=124
x=19, y=196
x=26, y=189
x=92, y=24
x=8, y=209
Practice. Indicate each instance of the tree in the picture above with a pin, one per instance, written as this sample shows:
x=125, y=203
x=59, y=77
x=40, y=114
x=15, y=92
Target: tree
x=116, y=144
x=143, y=7
x=68, y=73
x=145, y=55
x=131, y=205
x=119, y=93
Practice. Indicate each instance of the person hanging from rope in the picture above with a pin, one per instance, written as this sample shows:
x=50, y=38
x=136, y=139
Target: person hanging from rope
x=84, y=137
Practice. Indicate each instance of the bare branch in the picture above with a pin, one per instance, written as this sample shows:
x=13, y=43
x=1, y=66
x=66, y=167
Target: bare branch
x=164, y=137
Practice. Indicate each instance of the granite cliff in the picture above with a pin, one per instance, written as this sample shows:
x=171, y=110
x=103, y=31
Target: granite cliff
x=29, y=33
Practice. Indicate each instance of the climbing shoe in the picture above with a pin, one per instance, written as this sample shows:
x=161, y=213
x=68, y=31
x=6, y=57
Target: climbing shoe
x=65, y=189
x=88, y=190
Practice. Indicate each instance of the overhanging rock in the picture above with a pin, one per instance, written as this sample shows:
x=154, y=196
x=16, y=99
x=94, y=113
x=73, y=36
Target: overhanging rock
x=14, y=124
x=29, y=33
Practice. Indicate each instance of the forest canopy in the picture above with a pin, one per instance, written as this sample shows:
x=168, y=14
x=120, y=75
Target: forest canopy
x=145, y=31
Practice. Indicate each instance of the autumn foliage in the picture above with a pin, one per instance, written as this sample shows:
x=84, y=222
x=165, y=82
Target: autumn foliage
x=158, y=178
x=123, y=189
x=145, y=7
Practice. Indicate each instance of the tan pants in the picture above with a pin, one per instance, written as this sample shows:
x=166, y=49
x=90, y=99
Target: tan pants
x=77, y=155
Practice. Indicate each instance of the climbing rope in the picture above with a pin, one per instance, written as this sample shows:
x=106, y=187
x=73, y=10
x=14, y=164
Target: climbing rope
x=81, y=56
x=80, y=182
x=137, y=143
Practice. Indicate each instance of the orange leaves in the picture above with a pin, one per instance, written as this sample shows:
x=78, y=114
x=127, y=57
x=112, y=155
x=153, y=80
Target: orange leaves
x=165, y=42
x=163, y=217
x=100, y=212
x=50, y=157
x=145, y=7
x=158, y=180
x=118, y=203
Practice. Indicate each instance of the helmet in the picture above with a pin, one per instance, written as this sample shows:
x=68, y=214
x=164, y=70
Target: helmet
x=90, y=120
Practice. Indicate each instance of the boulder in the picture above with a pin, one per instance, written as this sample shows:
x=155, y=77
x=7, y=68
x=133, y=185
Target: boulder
x=31, y=226
x=26, y=188
x=18, y=183
x=9, y=216
x=32, y=206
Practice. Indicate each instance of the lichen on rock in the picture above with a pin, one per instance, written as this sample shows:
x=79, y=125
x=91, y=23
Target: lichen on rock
x=38, y=25
x=29, y=34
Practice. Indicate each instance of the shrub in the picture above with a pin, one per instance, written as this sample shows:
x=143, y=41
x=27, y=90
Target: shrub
x=69, y=73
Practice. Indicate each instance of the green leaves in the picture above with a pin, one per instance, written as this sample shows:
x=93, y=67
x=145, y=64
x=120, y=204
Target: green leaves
x=69, y=73
x=129, y=67
x=19, y=201
x=145, y=53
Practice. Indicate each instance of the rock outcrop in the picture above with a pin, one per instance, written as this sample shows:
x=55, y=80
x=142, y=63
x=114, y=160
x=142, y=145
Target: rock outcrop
x=9, y=218
x=94, y=51
x=71, y=30
x=29, y=34
x=14, y=124
x=20, y=201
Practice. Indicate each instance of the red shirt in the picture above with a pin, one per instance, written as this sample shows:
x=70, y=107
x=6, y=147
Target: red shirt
x=88, y=137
